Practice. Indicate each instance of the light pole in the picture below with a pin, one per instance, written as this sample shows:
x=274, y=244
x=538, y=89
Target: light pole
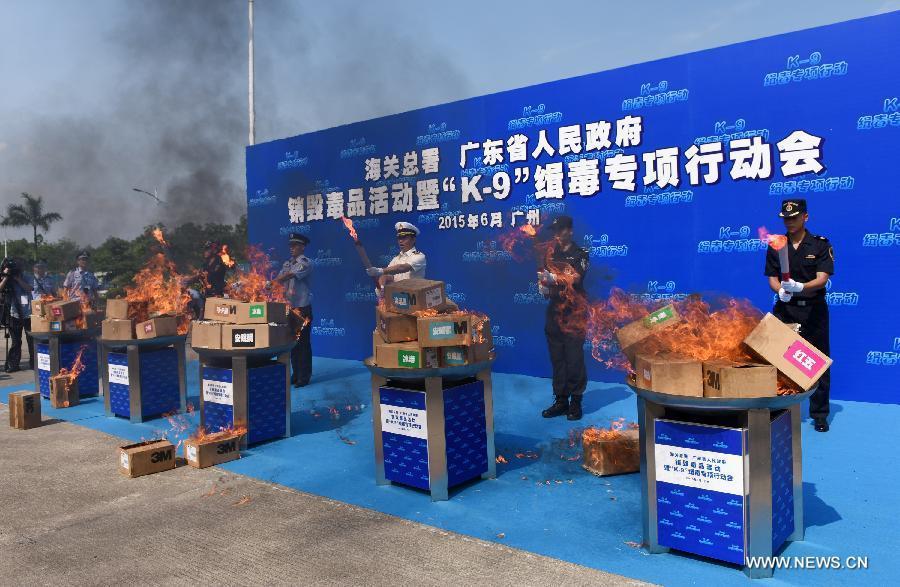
x=250, y=80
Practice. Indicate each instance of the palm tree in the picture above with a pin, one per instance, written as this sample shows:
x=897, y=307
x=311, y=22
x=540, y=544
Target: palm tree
x=31, y=213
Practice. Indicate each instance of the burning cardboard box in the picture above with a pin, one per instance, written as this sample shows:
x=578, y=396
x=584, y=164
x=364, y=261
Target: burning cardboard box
x=261, y=313
x=117, y=329
x=457, y=356
x=611, y=451
x=395, y=327
x=778, y=344
x=156, y=327
x=729, y=379
x=406, y=355
x=669, y=373
x=24, y=409
x=64, y=391
x=455, y=329
x=632, y=336
x=61, y=311
x=213, y=449
x=206, y=334
x=146, y=458
x=414, y=295
x=40, y=307
x=254, y=336
x=93, y=319
x=73, y=325
x=221, y=309
x=40, y=323
x=122, y=309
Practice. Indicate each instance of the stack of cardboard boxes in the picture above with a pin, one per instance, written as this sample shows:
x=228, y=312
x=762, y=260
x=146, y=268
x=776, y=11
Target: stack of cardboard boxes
x=418, y=328
x=130, y=320
x=777, y=348
x=233, y=325
x=62, y=316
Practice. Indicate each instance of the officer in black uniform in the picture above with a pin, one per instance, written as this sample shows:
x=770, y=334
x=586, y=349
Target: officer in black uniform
x=215, y=270
x=801, y=299
x=566, y=319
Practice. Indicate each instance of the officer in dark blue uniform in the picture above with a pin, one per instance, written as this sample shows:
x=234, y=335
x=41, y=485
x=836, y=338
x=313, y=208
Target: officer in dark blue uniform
x=801, y=299
x=565, y=325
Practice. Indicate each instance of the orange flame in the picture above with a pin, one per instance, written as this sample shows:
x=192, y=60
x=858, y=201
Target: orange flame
x=348, y=224
x=158, y=235
x=225, y=256
x=201, y=435
x=159, y=289
x=776, y=241
x=257, y=284
x=72, y=373
x=515, y=239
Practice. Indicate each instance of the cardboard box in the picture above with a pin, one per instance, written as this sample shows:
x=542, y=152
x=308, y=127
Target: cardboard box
x=24, y=409
x=776, y=343
x=406, y=355
x=73, y=325
x=221, y=309
x=262, y=313
x=255, y=336
x=206, y=334
x=729, y=379
x=621, y=453
x=146, y=458
x=376, y=340
x=117, y=308
x=211, y=451
x=395, y=327
x=117, y=329
x=669, y=373
x=40, y=323
x=62, y=393
x=632, y=336
x=414, y=295
x=156, y=327
x=40, y=307
x=61, y=311
x=446, y=330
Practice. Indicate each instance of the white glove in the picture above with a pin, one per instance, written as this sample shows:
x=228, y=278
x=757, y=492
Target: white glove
x=544, y=290
x=375, y=271
x=784, y=296
x=791, y=286
x=546, y=277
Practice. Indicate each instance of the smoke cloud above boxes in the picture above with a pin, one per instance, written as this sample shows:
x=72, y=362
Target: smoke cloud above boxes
x=164, y=107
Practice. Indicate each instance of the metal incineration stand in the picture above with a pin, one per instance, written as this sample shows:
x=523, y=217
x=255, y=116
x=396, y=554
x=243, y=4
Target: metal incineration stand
x=246, y=388
x=143, y=378
x=721, y=477
x=56, y=350
x=434, y=428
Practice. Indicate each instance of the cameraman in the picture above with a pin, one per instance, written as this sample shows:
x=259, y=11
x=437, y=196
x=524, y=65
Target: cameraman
x=17, y=293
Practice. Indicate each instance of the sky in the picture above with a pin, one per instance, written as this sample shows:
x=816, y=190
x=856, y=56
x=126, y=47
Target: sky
x=101, y=96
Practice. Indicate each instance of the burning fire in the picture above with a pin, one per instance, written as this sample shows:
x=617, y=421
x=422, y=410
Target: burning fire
x=257, y=284
x=299, y=321
x=158, y=235
x=776, y=241
x=201, y=435
x=513, y=240
x=71, y=374
x=348, y=224
x=225, y=255
x=159, y=289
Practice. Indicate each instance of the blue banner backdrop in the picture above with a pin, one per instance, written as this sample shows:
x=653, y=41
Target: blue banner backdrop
x=632, y=155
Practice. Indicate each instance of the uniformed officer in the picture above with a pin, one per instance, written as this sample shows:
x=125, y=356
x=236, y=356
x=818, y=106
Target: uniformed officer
x=564, y=329
x=408, y=263
x=801, y=299
x=80, y=283
x=43, y=284
x=16, y=287
x=215, y=270
x=295, y=273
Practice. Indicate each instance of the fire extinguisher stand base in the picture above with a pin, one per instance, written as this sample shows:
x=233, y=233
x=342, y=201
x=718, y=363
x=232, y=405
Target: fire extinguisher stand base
x=143, y=378
x=721, y=477
x=433, y=428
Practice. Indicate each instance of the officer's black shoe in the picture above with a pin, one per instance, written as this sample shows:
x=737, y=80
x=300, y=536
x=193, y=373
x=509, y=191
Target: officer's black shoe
x=574, y=408
x=821, y=424
x=559, y=407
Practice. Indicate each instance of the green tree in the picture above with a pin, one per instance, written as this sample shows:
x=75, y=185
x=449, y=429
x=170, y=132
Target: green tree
x=32, y=214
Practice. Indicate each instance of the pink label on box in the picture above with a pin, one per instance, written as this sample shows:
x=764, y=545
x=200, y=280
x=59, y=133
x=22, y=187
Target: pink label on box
x=804, y=358
x=148, y=328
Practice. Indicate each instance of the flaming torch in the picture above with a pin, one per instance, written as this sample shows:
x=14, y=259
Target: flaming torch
x=779, y=243
x=225, y=256
x=360, y=249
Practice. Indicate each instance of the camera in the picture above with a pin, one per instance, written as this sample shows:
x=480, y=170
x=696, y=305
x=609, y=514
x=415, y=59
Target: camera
x=9, y=267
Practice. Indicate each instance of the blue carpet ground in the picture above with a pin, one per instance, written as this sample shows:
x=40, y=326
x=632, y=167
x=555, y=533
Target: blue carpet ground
x=544, y=501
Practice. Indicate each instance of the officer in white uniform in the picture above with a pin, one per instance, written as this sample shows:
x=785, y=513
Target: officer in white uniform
x=409, y=262
x=295, y=274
